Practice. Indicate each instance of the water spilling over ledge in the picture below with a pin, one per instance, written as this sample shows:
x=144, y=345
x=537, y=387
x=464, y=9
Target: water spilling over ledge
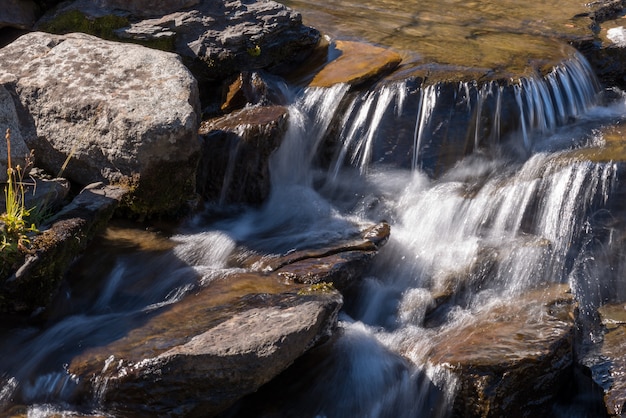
x=420, y=124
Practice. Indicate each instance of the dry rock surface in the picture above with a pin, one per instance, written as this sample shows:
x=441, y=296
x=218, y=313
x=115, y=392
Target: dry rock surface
x=116, y=113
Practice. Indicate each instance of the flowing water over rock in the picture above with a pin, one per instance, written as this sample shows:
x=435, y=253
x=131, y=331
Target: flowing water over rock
x=507, y=229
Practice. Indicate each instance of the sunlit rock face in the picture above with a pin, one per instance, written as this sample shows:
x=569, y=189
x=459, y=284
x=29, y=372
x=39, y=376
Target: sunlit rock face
x=104, y=111
x=216, y=39
x=509, y=353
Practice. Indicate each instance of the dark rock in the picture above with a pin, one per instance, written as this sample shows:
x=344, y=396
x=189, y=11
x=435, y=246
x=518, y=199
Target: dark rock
x=20, y=14
x=234, y=167
x=510, y=353
x=105, y=111
x=144, y=8
x=52, y=252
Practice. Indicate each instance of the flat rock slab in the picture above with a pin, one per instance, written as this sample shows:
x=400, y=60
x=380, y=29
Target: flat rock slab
x=200, y=355
x=512, y=352
x=357, y=63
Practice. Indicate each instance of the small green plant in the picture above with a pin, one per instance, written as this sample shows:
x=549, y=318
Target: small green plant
x=321, y=287
x=15, y=230
x=255, y=51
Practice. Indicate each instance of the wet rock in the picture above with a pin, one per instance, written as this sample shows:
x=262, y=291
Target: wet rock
x=518, y=350
x=607, y=364
x=357, y=63
x=61, y=241
x=20, y=14
x=215, y=38
x=200, y=355
x=341, y=264
x=234, y=167
x=608, y=55
x=113, y=112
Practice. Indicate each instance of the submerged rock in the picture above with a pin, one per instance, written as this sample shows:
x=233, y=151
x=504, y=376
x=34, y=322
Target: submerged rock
x=103, y=111
x=356, y=64
x=510, y=353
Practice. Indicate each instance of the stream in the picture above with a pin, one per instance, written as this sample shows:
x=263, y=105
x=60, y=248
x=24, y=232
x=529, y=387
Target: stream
x=485, y=184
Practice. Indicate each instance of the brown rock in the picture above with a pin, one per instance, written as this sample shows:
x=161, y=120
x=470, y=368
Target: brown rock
x=200, y=355
x=511, y=353
x=357, y=64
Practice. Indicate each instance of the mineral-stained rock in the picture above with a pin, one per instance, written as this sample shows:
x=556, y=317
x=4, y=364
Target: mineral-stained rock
x=356, y=64
x=510, y=353
x=114, y=112
x=252, y=88
x=234, y=167
x=61, y=241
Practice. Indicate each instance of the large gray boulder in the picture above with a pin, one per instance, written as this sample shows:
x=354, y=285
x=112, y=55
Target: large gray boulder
x=103, y=111
x=9, y=110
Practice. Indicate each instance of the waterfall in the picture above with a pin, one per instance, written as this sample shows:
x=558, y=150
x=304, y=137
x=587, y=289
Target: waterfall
x=395, y=124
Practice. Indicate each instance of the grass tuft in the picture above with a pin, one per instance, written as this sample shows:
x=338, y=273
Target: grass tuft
x=15, y=228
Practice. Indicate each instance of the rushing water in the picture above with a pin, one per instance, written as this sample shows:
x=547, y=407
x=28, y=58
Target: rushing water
x=484, y=189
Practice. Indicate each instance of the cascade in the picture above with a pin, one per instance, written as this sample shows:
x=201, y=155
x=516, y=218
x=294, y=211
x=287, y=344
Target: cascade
x=426, y=126
x=476, y=204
